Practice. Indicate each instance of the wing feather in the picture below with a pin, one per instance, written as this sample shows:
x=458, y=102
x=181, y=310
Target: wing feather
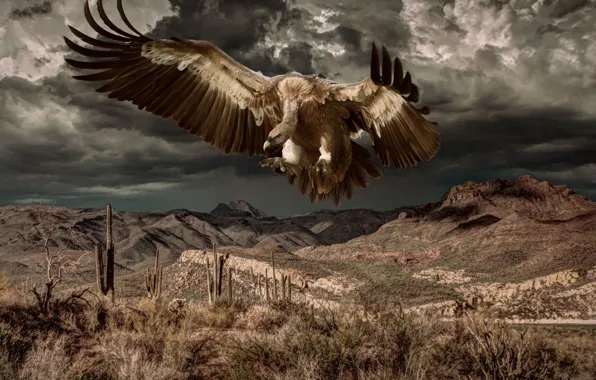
x=382, y=106
x=204, y=90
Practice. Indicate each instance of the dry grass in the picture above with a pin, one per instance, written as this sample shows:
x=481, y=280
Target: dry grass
x=140, y=339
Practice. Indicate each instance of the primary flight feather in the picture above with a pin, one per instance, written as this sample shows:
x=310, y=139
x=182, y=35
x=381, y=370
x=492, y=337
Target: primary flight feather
x=303, y=124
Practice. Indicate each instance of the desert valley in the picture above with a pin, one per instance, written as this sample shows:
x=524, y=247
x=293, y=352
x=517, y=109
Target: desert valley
x=519, y=251
x=499, y=244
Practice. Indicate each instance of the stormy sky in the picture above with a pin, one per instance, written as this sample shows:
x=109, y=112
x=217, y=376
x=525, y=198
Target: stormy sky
x=512, y=84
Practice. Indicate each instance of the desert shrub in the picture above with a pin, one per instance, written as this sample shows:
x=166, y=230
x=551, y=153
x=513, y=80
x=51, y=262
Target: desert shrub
x=124, y=355
x=4, y=283
x=220, y=315
x=501, y=352
x=188, y=353
x=481, y=349
x=143, y=339
x=262, y=319
x=13, y=350
x=49, y=359
x=327, y=346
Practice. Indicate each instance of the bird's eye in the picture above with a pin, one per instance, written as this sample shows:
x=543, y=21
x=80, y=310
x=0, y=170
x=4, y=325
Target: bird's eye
x=321, y=76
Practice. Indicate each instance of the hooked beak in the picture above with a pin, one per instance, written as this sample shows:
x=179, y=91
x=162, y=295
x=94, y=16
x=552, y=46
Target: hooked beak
x=266, y=146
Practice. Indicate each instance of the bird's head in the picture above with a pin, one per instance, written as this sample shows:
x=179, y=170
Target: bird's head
x=275, y=142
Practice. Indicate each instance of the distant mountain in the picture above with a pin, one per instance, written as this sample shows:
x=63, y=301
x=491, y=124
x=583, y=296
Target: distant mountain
x=513, y=229
x=507, y=225
x=526, y=196
x=237, y=208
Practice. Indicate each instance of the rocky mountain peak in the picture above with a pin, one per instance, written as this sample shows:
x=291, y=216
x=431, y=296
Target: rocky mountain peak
x=237, y=207
x=526, y=195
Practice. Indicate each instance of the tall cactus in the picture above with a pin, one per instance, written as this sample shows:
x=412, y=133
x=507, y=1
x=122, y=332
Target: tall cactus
x=286, y=287
x=274, y=279
x=209, y=284
x=104, y=272
x=215, y=280
x=220, y=273
x=153, y=279
x=230, y=285
x=289, y=283
x=215, y=273
x=266, y=285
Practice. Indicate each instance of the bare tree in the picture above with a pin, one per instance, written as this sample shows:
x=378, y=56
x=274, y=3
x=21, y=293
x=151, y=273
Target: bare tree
x=57, y=261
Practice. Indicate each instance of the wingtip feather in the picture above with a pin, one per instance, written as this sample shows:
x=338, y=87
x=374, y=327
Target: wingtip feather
x=386, y=66
x=375, y=73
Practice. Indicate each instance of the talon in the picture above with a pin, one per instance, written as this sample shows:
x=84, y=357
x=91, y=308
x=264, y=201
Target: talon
x=266, y=162
x=276, y=163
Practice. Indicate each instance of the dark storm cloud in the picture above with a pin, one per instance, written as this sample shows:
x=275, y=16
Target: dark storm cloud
x=299, y=56
x=31, y=10
x=110, y=147
x=539, y=140
x=511, y=84
x=234, y=26
x=89, y=146
x=563, y=8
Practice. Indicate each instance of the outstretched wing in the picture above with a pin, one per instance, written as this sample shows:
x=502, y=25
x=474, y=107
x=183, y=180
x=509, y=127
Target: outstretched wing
x=384, y=109
x=207, y=92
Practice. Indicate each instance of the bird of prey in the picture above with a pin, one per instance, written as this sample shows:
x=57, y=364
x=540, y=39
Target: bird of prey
x=305, y=125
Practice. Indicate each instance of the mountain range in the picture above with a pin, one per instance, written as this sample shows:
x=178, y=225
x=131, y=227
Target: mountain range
x=513, y=229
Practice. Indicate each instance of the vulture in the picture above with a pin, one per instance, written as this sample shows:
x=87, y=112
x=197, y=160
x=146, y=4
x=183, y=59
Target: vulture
x=306, y=126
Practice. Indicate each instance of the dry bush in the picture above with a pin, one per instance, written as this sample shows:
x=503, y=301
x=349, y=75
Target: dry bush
x=4, y=283
x=501, y=353
x=10, y=295
x=125, y=355
x=146, y=339
x=262, y=319
x=49, y=359
x=220, y=315
x=13, y=350
x=146, y=344
x=331, y=346
x=43, y=236
x=485, y=349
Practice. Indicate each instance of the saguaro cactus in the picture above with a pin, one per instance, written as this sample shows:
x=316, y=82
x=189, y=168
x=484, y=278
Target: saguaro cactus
x=209, y=280
x=286, y=287
x=266, y=285
x=215, y=280
x=289, y=283
x=104, y=272
x=230, y=285
x=153, y=278
x=274, y=279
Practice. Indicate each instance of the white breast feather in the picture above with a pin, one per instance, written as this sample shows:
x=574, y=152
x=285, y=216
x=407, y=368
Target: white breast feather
x=291, y=152
x=325, y=154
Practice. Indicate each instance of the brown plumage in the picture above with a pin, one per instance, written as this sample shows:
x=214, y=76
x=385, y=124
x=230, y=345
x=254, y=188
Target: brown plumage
x=304, y=124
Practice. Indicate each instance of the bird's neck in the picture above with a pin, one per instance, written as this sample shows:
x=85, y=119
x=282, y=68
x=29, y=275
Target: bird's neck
x=290, y=111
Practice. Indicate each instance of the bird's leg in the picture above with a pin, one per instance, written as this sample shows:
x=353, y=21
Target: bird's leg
x=322, y=176
x=322, y=166
x=276, y=163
